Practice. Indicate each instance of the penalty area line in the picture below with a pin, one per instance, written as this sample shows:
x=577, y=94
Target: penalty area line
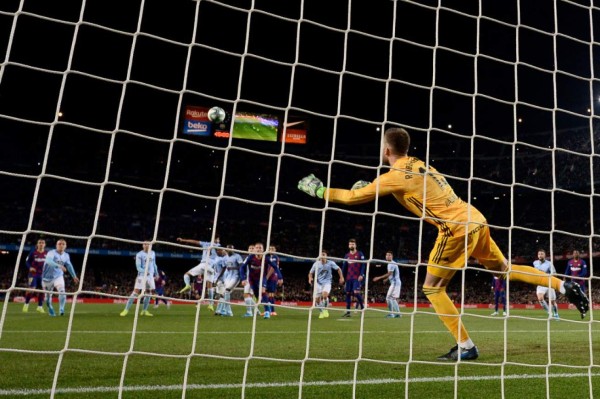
x=193, y=387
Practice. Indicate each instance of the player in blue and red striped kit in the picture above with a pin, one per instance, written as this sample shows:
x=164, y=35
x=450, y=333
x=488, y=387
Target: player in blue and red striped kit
x=353, y=270
x=35, y=264
x=250, y=275
x=499, y=287
x=276, y=279
x=577, y=268
x=161, y=281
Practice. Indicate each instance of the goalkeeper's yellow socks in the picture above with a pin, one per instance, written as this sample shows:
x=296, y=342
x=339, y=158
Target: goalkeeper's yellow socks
x=446, y=311
x=531, y=275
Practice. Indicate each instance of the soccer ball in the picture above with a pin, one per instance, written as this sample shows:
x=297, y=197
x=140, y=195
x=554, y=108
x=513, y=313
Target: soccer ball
x=216, y=114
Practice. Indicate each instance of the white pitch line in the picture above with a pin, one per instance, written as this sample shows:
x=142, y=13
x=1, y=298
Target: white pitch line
x=290, y=332
x=193, y=387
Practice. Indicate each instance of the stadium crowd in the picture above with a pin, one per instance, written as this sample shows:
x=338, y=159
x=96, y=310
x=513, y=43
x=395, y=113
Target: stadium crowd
x=298, y=234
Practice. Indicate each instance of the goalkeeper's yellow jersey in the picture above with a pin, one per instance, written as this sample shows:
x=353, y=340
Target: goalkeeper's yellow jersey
x=423, y=192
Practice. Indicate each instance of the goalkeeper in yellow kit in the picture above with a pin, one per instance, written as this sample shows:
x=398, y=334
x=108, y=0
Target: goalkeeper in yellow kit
x=463, y=232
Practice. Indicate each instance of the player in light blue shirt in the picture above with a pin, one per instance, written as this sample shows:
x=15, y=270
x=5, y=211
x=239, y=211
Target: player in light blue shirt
x=393, y=294
x=209, y=251
x=206, y=269
x=147, y=273
x=323, y=269
x=217, y=282
x=57, y=262
x=546, y=266
x=232, y=262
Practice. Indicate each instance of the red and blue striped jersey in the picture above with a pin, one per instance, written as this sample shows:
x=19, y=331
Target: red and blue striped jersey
x=36, y=260
x=352, y=267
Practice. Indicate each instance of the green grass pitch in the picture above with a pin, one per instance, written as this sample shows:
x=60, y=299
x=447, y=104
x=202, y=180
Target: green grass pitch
x=525, y=355
x=254, y=131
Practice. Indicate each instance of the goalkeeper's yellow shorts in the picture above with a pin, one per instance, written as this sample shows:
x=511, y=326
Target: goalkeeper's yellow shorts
x=448, y=253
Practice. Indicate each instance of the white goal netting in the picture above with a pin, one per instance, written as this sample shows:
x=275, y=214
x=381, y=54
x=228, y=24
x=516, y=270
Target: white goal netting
x=106, y=143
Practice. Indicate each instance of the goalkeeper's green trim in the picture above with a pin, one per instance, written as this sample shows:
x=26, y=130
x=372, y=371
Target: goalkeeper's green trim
x=321, y=191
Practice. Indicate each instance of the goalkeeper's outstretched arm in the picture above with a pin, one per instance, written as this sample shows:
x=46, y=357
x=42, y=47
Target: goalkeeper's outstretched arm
x=361, y=192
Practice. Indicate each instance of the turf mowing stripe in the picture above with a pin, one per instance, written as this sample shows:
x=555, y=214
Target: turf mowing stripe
x=193, y=387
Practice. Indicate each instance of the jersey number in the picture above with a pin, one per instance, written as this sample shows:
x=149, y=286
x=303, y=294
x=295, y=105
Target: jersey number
x=438, y=179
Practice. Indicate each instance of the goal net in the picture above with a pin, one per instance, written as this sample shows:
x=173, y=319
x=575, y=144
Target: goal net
x=107, y=144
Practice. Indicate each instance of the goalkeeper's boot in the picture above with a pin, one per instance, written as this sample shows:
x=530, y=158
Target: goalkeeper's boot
x=51, y=312
x=40, y=309
x=465, y=354
x=211, y=308
x=185, y=289
x=321, y=315
x=576, y=296
x=124, y=313
x=146, y=313
x=26, y=308
x=325, y=313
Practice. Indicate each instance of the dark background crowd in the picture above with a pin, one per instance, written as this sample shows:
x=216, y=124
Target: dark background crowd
x=527, y=209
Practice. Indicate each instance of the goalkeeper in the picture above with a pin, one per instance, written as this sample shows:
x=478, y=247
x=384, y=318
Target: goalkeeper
x=427, y=194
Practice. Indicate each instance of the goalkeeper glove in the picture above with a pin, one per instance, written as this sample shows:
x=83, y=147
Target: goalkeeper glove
x=360, y=184
x=312, y=186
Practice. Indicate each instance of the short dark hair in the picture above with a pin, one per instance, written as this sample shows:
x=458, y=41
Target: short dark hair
x=352, y=240
x=398, y=139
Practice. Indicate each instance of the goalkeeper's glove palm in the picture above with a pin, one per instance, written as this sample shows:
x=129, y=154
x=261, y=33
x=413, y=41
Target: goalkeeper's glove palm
x=360, y=184
x=312, y=186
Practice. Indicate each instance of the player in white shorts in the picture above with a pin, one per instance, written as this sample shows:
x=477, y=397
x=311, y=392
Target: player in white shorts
x=209, y=251
x=393, y=294
x=205, y=268
x=232, y=262
x=145, y=264
x=56, y=263
x=323, y=268
x=546, y=266
x=218, y=286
